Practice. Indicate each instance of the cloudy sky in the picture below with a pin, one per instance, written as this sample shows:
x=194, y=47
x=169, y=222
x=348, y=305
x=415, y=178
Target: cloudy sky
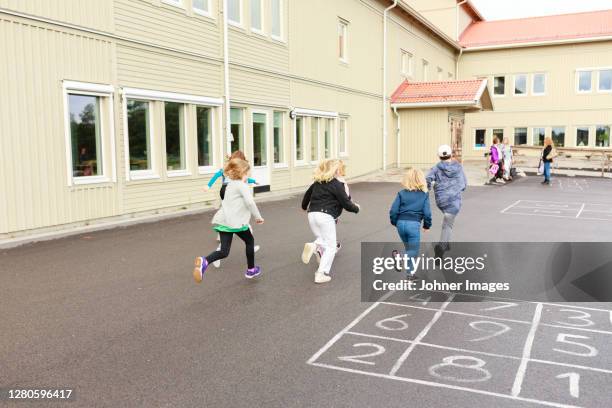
x=503, y=9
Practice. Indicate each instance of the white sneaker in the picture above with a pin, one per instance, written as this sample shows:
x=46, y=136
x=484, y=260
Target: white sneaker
x=217, y=263
x=321, y=278
x=256, y=248
x=309, y=249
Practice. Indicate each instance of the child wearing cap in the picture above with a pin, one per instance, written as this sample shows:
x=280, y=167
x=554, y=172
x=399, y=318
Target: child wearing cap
x=449, y=183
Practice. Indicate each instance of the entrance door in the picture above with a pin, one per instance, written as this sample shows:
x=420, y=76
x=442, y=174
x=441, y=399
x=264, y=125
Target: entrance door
x=260, y=141
x=456, y=128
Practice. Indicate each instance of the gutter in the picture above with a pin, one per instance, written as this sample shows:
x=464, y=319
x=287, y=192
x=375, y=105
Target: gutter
x=538, y=43
x=228, y=128
x=435, y=104
x=384, y=83
x=398, y=135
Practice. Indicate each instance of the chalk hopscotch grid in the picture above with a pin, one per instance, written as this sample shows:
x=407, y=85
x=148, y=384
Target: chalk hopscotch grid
x=525, y=358
x=582, y=210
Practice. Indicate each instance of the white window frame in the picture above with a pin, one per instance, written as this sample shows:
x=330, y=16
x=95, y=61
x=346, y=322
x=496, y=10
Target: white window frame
x=229, y=141
x=533, y=92
x=513, y=140
x=577, y=78
x=345, y=24
x=139, y=174
x=532, y=135
x=186, y=171
x=591, y=136
x=314, y=161
x=599, y=90
x=281, y=23
x=514, y=85
x=213, y=135
x=495, y=95
x=240, y=14
x=303, y=161
x=407, y=58
x=175, y=3
x=262, y=21
x=270, y=157
x=485, y=139
x=102, y=91
x=595, y=136
x=284, y=163
x=425, y=68
x=344, y=119
x=202, y=12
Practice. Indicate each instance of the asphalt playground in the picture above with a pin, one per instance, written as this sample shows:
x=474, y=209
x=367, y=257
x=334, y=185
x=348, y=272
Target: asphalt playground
x=115, y=315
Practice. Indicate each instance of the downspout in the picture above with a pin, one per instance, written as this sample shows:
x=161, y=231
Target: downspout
x=384, y=92
x=457, y=64
x=457, y=37
x=228, y=132
x=398, y=135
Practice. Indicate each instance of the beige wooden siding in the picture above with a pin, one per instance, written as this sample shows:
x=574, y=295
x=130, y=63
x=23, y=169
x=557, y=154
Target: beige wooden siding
x=257, y=87
x=254, y=50
x=32, y=141
x=165, y=25
x=91, y=14
x=422, y=131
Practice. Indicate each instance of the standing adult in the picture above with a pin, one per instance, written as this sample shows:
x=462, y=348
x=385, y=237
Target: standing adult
x=548, y=155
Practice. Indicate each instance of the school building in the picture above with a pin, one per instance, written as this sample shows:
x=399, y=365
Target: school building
x=118, y=109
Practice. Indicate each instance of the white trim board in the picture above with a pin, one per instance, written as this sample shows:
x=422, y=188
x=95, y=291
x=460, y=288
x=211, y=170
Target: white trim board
x=171, y=97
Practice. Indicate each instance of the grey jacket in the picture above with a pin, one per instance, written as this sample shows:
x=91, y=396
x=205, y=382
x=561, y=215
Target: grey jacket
x=237, y=206
x=449, y=182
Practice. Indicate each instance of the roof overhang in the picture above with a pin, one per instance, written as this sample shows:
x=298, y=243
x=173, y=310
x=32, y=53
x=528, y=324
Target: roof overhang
x=470, y=6
x=403, y=4
x=482, y=101
x=537, y=43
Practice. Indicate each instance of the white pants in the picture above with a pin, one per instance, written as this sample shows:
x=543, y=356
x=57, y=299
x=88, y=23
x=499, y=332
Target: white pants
x=324, y=227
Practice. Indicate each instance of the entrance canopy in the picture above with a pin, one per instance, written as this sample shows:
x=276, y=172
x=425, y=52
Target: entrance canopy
x=466, y=95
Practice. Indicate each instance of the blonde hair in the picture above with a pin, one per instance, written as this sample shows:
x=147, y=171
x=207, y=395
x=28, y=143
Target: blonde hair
x=238, y=154
x=236, y=169
x=328, y=169
x=548, y=141
x=414, y=180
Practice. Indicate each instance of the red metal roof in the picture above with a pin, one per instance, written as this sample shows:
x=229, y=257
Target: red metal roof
x=441, y=92
x=538, y=29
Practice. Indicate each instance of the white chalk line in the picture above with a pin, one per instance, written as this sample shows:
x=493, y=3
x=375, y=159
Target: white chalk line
x=420, y=337
x=522, y=370
x=559, y=216
x=581, y=210
x=448, y=386
x=510, y=206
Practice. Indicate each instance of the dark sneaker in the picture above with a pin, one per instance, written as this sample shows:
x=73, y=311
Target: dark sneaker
x=394, y=255
x=439, y=251
x=412, y=277
x=338, y=246
x=199, y=268
x=253, y=273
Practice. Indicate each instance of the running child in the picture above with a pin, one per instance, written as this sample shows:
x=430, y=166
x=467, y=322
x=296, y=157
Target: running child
x=324, y=200
x=233, y=218
x=409, y=209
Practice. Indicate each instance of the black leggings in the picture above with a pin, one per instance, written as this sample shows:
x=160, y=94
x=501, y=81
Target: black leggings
x=226, y=244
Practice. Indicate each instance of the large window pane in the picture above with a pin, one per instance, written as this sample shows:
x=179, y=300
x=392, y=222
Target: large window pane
x=520, y=136
x=314, y=139
x=277, y=30
x=85, y=135
x=499, y=133
x=584, y=81
x=499, y=85
x=342, y=134
x=558, y=136
x=201, y=5
x=175, y=136
x=327, y=138
x=260, y=154
x=204, y=134
x=539, y=84
x=233, y=11
x=256, y=15
x=605, y=80
x=237, y=129
x=139, y=138
x=602, y=136
x=520, y=84
x=480, y=138
x=538, y=136
x=582, y=136
x=279, y=138
x=299, y=138
x=342, y=40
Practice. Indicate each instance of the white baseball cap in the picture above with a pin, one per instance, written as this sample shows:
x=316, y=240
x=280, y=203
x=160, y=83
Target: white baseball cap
x=445, y=151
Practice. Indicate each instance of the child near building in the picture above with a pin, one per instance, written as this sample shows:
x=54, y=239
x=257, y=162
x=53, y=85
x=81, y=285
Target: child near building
x=409, y=209
x=233, y=218
x=324, y=200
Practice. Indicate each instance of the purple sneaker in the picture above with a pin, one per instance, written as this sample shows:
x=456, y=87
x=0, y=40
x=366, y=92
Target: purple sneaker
x=253, y=272
x=199, y=268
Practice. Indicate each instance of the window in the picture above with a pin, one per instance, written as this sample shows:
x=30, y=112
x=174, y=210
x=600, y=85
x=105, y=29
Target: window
x=439, y=74
x=260, y=154
x=558, y=136
x=257, y=16
x=327, y=138
x=538, y=136
x=279, y=138
x=450, y=75
x=343, y=137
x=585, y=80
x=520, y=136
x=174, y=114
x=539, y=84
x=178, y=3
x=480, y=138
x=343, y=40
x=582, y=136
x=499, y=85
x=299, y=139
x=602, y=136
x=277, y=19
x=499, y=134
x=139, y=135
x=605, y=80
x=237, y=129
x=85, y=135
x=407, y=64
x=520, y=84
x=425, y=70
x=204, y=136
x=234, y=12
x=314, y=139
x=202, y=7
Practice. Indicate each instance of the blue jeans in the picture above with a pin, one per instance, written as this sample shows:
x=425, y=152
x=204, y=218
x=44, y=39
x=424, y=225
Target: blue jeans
x=547, y=171
x=410, y=234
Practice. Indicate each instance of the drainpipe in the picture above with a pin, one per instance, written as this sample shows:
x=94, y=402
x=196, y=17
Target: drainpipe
x=457, y=64
x=384, y=92
x=398, y=135
x=228, y=133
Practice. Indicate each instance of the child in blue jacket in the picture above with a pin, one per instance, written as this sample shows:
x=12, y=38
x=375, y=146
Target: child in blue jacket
x=236, y=155
x=409, y=209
